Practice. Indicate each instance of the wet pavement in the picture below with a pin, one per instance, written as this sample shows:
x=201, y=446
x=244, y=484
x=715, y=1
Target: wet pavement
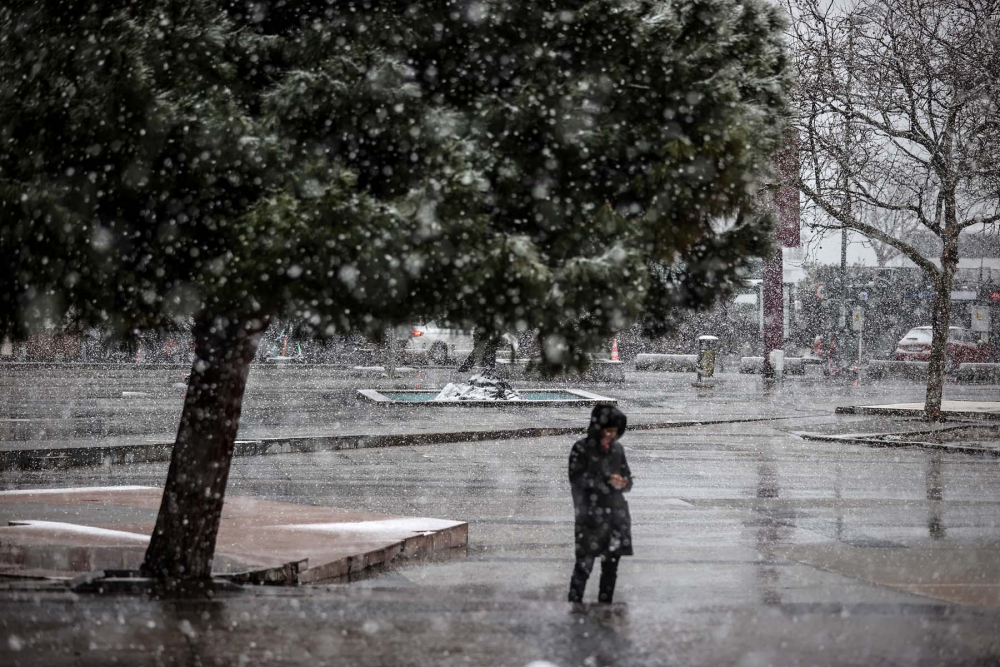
x=84, y=406
x=753, y=547
x=46, y=407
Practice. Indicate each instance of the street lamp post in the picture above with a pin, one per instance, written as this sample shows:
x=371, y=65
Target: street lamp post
x=842, y=321
x=855, y=21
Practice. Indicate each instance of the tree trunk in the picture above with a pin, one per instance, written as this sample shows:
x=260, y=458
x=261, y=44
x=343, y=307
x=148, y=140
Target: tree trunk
x=484, y=351
x=940, y=320
x=183, y=543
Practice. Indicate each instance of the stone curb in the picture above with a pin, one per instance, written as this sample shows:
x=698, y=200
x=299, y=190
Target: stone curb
x=901, y=412
x=436, y=546
x=170, y=365
x=879, y=442
x=75, y=457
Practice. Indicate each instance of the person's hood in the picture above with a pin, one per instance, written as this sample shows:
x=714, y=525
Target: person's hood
x=605, y=416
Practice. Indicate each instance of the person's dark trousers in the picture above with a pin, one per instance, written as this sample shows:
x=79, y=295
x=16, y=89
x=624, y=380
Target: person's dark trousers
x=581, y=572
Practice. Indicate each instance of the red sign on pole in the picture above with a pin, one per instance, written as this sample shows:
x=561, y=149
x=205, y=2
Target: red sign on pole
x=995, y=295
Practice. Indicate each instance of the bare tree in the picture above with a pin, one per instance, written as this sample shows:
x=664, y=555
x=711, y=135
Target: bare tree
x=897, y=224
x=897, y=109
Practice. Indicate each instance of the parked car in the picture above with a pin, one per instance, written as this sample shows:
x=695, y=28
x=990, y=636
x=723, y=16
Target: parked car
x=432, y=343
x=963, y=346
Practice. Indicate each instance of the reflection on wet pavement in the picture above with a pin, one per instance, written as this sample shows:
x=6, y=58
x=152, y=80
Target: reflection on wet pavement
x=752, y=547
x=935, y=494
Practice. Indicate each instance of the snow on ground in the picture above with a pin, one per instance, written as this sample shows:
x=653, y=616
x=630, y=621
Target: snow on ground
x=479, y=388
x=77, y=529
x=79, y=489
x=394, y=526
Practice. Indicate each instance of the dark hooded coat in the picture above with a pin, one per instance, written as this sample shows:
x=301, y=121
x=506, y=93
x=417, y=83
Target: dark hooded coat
x=603, y=523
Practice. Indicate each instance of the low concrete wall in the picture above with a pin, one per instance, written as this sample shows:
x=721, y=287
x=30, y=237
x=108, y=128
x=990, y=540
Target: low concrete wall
x=686, y=363
x=755, y=365
x=978, y=373
x=601, y=370
x=883, y=368
x=604, y=370
x=74, y=457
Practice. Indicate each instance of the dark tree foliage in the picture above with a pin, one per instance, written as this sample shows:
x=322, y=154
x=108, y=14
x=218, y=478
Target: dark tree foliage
x=563, y=166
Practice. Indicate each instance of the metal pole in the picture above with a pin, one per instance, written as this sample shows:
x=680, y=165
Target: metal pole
x=861, y=332
x=843, y=277
x=847, y=193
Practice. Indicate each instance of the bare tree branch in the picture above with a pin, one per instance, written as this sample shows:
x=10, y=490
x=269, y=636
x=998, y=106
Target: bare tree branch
x=868, y=230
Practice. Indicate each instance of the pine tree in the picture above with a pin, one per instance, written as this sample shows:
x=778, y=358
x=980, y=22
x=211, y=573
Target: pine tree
x=559, y=165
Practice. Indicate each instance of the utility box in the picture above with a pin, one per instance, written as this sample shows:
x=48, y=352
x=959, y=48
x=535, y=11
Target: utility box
x=777, y=360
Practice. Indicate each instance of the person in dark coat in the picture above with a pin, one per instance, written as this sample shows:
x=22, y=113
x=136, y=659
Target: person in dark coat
x=599, y=477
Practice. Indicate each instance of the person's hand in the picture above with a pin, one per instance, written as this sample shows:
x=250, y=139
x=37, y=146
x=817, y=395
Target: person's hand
x=618, y=482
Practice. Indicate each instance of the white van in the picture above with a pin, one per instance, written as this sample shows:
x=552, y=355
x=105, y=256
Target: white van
x=433, y=344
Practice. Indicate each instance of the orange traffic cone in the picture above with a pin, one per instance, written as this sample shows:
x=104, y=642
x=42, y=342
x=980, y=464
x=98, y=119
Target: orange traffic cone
x=614, y=350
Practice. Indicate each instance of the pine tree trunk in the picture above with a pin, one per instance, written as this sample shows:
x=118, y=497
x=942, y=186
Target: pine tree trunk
x=940, y=320
x=183, y=543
